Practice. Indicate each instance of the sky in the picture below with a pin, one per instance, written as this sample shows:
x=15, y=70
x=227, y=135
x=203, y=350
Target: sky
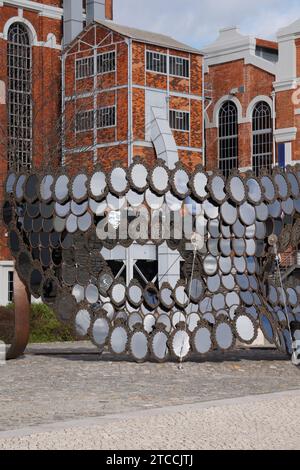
x=197, y=22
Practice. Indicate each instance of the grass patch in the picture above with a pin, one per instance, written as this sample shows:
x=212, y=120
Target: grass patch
x=44, y=326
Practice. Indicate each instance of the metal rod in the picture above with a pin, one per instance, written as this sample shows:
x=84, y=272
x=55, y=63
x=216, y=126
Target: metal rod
x=22, y=315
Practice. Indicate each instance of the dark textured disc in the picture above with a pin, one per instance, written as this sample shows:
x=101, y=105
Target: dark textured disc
x=83, y=276
x=33, y=210
x=65, y=307
x=48, y=225
x=55, y=239
x=37, y=224
x=14, y=242
x=68, y=275
x=57, y=256
x=44, y=240
x=7, y=213
x=34, y=240
x=45, y=257
x=66, y=240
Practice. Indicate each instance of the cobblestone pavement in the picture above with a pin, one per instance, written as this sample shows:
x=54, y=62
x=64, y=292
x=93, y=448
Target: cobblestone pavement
x=256, y=422
x=72, y=381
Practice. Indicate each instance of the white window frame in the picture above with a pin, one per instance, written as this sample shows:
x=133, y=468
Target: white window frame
x=181, y=118
x=180, y=58
x=115, y=115
x=92, y=67
x=10, y=286
x=77, y=131
x=102, y=55
x=158, y=53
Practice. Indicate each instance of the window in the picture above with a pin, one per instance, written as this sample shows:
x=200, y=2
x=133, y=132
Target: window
x=106, y=62
x=106, y=117
x=228, y=138
x=84, y=121
x=10, y=286
x=262, y=154
x=145, y=271
x=84, y=67
x=267, y=53
x=179, y=120
x=179, y=67
x=156, y=62
x=19, y=71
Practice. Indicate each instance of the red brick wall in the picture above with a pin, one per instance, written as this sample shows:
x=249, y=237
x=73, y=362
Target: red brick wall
x=53, y=3
x=110, y=41
x=285, y=116
x=298, y=56
x=192, y=86
x=101, y=40
x=46, y=77
x=221, y=79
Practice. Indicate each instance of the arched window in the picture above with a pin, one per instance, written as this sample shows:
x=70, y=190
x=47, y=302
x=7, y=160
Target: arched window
x=19, y=65
x=228, y=137
x=262, y=153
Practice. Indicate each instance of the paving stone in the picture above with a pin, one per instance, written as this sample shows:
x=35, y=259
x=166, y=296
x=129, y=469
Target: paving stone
x=70, y=381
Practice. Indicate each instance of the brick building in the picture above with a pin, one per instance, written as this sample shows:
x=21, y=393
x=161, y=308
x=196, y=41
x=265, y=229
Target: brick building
x=118, y=91
x=79, y=89
x=130, y=92
x=252, y=102
x=30, y=84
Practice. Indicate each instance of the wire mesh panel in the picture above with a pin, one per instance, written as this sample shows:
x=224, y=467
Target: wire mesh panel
x=262, y=137
x=228, y=138
x=19, y=62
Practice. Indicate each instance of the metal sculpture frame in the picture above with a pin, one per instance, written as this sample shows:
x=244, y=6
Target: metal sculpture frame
x=55, y=228
x=22, y=320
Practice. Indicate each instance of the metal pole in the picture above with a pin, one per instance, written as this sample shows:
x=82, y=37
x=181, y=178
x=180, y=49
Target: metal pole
x=22, y=315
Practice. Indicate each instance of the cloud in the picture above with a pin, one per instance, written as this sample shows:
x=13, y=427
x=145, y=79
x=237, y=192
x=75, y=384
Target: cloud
x=197, y=22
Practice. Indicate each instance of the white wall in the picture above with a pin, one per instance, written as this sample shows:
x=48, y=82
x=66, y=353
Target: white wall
x=5, y=267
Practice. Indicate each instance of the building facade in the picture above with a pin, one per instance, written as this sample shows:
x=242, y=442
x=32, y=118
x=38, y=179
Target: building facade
x=30, y=90
x=120, y=84
x=252, y=100
x=78, y=89
x=130, y=93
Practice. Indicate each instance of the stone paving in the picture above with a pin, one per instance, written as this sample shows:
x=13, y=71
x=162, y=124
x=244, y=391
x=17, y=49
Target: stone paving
x=55, y=383
x=256, y=422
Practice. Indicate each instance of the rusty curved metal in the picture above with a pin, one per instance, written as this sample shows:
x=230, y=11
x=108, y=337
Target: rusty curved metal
x=22, y=316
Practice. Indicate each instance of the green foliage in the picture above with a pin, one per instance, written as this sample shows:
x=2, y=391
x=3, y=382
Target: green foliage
x=44, y=326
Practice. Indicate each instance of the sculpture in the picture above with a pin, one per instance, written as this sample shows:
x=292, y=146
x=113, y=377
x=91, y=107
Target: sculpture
x=235, y=230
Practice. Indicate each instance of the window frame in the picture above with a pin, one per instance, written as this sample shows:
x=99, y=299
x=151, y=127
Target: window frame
x=19, y=87
x=78, y=131
x=10, y=286
x=171, y=110
x=149, y=51
x=233, y=123
x=115, y=117
x=91, y=57
x=114, y=62
x=266, y=135
x=184, y=59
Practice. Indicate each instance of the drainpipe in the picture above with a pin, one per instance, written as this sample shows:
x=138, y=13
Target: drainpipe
x=273, y=94
x=129, y=251
x=130, y=118
x=203, y=118
x=63, y=107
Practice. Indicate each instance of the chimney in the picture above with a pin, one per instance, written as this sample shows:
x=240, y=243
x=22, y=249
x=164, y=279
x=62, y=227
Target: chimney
x=99, y=10
x=73, y=20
